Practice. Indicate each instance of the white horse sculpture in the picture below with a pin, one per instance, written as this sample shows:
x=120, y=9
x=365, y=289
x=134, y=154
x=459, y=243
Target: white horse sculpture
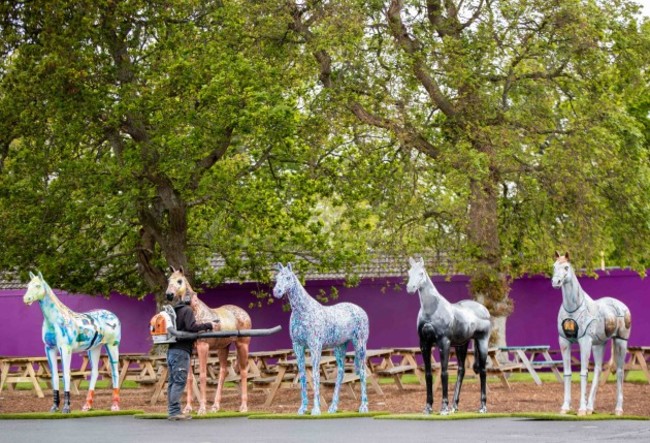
x=67, y=332
x=590, y=323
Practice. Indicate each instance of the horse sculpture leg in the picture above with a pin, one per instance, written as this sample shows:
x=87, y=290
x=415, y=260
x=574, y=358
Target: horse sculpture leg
x=93, y=357
x=480, y=364
x=339, y=353
x=51, y=354
x=565, y=349
x=443, y=346
x=299, y=350
x=619, y=349
x=585, y=352
x=360, y=367
x=242, y=360
x=599, y=352
x=222, y=353
x=461, y=355
x=425, y=347
x=114, y=358
x=66, y=357
x=315, y=375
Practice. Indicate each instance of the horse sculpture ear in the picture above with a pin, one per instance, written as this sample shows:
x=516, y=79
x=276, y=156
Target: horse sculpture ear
x=171, y=268
x=31, y=275
x=40, y=276
x=289, y=267
x=411, y=261
x=566, y=255
x=278, y=266
x=182, y=271
x=557, y=254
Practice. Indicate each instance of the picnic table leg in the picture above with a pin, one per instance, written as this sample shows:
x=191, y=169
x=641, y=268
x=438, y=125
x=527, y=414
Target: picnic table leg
x=4, y=371
x=524, y=359
x=644, y=366
x=159, y=385
x=273, y=389
x=32, y=375
x=548, y=358
x=373, y=381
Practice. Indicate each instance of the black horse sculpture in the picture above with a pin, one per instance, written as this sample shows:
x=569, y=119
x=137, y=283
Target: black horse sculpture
x=444, y=324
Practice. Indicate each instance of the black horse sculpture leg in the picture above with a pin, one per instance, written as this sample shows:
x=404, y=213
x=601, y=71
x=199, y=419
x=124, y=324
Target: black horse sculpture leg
x=426, y=358
x=480, y=364
x=461, y=355
x=443, y=347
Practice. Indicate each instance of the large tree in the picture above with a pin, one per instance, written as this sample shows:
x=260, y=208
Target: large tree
x=137, y=134
x=500, y=129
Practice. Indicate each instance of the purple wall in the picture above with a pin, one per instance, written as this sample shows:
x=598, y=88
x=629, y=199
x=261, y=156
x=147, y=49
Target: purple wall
x=392, y=311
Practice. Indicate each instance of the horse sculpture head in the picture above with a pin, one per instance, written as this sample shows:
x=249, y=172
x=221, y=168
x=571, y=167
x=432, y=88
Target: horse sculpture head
x=284, y=280
x=417, y=275
x=561, y=270
x=36, y=289
x=177, y=287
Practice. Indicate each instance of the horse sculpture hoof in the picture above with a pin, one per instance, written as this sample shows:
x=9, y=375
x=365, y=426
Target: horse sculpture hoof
x=332, y=409
x=315, y=411
x=582, y=412
x=618, y=412
x=201, y=411
x=187, y=409
x=66, y=409
x=363, y=409
x=590, y=411
x=243, y=408
x=427, y=409
x=54, y=409
x=215, y=408
x=482, y=410
x=115, y=407
x=86, y=408
x=564, y=411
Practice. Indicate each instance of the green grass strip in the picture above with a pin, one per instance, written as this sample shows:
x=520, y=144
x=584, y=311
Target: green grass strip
x=544, y=416
x=59, y=415
x=210, y=415
x=323, y=416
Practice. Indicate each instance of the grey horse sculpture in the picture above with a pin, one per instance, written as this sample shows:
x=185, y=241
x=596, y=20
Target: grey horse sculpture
x=590, y=323
x=444, y=324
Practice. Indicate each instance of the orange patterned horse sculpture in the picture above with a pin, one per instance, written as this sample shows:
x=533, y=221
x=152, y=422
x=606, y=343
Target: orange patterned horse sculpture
x=231, y=318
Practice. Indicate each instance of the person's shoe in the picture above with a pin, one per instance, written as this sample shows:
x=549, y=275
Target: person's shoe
x=180, y=417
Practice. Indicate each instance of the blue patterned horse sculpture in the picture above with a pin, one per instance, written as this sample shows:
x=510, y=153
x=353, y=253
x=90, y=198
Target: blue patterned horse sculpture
x=67, y=332
x=317, y=327
x=444, y=324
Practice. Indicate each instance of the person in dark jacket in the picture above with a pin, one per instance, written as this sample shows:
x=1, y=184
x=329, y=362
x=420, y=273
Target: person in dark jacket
x=178, y=359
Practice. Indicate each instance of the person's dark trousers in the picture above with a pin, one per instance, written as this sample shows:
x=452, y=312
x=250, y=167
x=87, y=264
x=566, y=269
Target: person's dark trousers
x=178, y=363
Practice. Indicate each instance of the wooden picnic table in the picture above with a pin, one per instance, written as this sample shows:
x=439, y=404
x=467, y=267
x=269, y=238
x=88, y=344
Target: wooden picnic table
x=212, y=373
x=639, y=359
x=288, y=372
x=266, y=361
x=526, y=355
x=494, y=367
x=406, y=363
x=22, y=370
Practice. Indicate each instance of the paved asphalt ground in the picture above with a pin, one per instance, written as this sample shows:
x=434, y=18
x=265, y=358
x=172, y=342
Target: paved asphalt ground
x=126, y=429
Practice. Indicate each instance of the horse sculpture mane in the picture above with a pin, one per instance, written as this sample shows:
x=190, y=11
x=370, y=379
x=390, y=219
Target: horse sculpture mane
x=230, y=318
x=317, y=327
x=68, y=332
x=443, y=324
x=590, y=323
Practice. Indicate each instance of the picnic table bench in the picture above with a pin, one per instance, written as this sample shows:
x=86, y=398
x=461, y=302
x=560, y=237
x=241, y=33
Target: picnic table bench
x=526, y=355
